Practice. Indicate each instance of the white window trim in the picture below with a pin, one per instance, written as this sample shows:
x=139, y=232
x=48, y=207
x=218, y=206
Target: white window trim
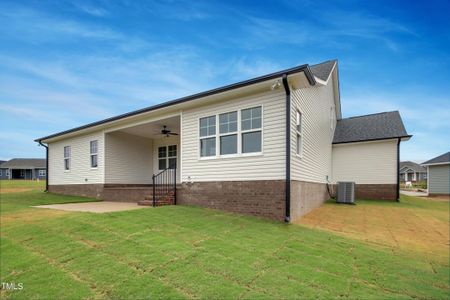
x=7, y=172
x=41, y=172
x=167, y=157
x=228, y=133
x=207, y=136
x=300, y=133
x=239, y=132
x=92, y=154
x=68, y=158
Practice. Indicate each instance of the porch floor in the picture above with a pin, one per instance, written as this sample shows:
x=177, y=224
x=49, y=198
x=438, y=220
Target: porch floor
x=94, y=207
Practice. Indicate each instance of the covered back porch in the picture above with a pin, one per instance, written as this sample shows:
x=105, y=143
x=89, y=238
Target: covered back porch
x=136, y=156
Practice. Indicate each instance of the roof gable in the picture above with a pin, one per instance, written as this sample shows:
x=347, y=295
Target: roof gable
x=323, y=70
x=412, y=166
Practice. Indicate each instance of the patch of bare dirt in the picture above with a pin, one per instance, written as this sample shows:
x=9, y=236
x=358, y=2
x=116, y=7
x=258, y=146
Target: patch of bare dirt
x=403, y=228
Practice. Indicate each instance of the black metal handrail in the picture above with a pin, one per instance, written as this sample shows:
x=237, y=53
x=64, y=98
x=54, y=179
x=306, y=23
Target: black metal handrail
x=164, y=183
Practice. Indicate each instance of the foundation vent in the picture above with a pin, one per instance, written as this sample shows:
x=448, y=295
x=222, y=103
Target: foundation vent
x=346, y=192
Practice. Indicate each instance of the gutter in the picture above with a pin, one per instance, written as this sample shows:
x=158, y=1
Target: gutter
x=46, y=164
x=398, y=169
x=374, y=139
x=287, y=89
x=287, y=216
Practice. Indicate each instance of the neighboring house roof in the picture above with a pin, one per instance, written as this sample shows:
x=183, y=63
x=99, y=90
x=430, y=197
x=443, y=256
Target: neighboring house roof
x=441, y=159
x=323, y=70
x=380, y=126
x=24, y=163
x=412, y=166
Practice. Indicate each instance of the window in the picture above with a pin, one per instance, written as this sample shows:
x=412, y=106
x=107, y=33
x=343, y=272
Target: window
x=7, y=173
x=424, y=175
x=228, y=127
x=239, y=132
x=208, y=136
x=167, y=157
x=41, y=173
x=94, y=152
x=1, y=173
x=67, y=158
x=298, y=129
x=251, y=128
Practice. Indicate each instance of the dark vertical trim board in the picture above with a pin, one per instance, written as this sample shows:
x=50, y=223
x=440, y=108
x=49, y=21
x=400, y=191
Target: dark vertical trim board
x=287, y=218
x=46, y=165
x=398, y=169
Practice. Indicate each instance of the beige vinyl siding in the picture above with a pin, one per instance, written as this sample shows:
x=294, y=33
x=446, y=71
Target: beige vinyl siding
x=439, y=179
x=314, y=103
x=269, y=165
x=128, y=158
x=366, y=162
x=80, y=165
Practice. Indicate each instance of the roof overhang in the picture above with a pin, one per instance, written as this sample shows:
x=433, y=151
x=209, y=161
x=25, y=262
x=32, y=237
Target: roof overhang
x=334, y=76
x=298, y=77
x=436, y=164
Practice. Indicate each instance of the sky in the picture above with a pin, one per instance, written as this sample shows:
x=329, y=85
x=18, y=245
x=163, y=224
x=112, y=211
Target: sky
x=66, y=63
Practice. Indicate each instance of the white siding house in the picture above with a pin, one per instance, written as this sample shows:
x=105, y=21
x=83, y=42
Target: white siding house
x=267, y=146
x=79, y=170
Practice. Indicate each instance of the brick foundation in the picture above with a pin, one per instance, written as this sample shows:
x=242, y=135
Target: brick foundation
x=305, y=196
x=265, y=198
x=126, y=193
x=376, y=191
x=83, y=190
x=107, y=192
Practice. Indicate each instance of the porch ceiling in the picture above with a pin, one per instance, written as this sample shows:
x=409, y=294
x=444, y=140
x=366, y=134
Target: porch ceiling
x=153, y=129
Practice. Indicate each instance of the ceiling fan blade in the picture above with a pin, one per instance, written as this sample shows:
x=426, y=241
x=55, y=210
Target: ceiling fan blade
x=173, y=133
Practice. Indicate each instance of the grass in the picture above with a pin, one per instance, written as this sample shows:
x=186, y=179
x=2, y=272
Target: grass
x=190, y=252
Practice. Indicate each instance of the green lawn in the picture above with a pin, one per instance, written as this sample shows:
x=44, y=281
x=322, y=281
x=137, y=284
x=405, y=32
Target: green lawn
x=190, y=252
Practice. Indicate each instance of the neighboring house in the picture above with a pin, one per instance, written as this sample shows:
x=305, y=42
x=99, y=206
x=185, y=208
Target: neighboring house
x=438, y=170
x=410, y=171
x=267, y=146
x=23, y=168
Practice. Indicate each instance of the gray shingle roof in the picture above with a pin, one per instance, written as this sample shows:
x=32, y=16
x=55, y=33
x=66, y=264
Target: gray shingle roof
x=444, y=158
x=323, y=70
x=24, y=163
x=379, y=126
x=413, y=166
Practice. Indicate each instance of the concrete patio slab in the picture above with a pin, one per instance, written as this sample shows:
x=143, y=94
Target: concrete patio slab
x=413, y=193
x=94, y=207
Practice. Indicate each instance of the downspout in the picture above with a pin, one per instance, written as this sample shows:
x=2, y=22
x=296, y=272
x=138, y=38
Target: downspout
x=287, y=89
x=398, y=170
x=46, y=165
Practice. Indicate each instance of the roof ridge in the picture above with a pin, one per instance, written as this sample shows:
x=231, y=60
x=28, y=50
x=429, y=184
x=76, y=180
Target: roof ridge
x=324, y=62
x=380, y=113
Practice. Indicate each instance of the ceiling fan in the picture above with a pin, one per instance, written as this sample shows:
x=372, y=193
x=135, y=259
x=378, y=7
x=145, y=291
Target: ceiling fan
x=167, y=132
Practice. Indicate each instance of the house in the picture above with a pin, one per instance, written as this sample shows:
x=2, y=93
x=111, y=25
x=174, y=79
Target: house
x=267, y=146
x=438, y=170
x=411, y=171
x=23, y=168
